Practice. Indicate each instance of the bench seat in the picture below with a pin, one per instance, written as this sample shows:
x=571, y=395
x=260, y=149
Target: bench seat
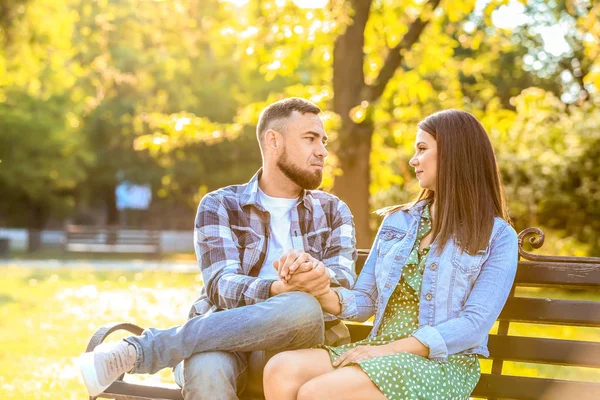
x=565, y=273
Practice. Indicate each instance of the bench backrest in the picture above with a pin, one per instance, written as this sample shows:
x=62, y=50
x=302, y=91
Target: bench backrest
x=573, y=277
x=110, y=235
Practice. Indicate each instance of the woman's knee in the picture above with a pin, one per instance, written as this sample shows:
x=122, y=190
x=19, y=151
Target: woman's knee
x=279, y=368
x=311, y=390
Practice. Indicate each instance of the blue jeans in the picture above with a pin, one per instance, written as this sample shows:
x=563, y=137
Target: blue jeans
x=284, y=322
x=221, y=375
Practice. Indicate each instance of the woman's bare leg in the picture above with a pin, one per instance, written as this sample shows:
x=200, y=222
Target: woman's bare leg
x=286, y=372
x=347, y=383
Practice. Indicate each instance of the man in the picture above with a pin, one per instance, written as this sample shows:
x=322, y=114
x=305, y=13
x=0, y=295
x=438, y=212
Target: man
x=266, y=250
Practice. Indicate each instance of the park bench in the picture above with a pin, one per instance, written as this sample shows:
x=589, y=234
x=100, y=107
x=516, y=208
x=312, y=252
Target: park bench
x=534, y=271
x=87, y=239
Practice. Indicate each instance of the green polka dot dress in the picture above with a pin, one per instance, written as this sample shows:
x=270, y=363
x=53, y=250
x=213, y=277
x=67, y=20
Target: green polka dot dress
x=406, y=375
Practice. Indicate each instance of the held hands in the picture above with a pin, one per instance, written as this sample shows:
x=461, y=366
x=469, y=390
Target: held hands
x=300, y=271
x=293, y=261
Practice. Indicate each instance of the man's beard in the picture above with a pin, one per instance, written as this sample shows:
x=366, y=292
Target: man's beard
x=304, y=179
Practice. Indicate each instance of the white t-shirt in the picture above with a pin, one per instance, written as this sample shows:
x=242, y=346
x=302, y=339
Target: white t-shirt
x=280, y=234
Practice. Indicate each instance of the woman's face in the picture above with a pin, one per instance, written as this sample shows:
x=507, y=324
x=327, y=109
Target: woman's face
x=425, y=160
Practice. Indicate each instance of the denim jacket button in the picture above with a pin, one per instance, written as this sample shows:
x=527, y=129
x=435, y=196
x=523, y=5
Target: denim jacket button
x=433, y=266
x=389, y=235
x=429, y=296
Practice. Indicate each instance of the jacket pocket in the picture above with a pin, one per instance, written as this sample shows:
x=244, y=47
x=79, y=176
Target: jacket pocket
x=468, y=264
x=388, y=237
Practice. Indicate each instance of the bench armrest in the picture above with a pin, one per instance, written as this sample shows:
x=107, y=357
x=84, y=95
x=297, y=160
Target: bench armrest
x=104, y=331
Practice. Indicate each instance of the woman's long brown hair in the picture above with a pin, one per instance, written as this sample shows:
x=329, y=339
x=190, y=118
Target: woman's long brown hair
x=468, y=192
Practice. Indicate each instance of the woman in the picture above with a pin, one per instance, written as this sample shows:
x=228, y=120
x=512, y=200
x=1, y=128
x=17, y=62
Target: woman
x=436, y=279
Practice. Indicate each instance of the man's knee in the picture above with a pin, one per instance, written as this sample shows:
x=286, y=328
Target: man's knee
x=211, y=373
x=301, y=306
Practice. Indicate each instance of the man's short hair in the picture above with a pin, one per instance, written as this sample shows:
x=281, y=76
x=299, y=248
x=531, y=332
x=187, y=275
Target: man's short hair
x=273, y=115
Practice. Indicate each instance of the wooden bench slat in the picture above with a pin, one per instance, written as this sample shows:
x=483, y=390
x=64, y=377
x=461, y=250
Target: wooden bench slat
x=111, y=240
x=101, y=238
x=525, y=349
x=110, y=248
x=547, y=351
x=552, y=311
x=124, y=390
x=531, y=273
x=525, y=388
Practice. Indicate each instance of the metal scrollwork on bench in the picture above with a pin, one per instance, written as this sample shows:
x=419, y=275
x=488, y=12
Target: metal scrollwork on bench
x=536, y=237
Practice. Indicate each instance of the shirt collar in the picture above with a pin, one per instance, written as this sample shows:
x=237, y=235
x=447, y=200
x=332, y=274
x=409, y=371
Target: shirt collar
x=250, y=193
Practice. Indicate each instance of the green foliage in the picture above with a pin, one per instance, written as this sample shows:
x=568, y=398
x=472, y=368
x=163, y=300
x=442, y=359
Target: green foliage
x=38, y=147
x=168, y=93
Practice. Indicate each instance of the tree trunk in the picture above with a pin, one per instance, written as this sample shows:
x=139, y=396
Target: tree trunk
x=354, y=145
x=112, y=213
x=350, y=90
x=110, y=202
x=38, y=217
x=353, y=186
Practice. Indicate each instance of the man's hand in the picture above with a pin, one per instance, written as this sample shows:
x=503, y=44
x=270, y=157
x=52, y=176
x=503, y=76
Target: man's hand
x=315, y=282
x=294, y=261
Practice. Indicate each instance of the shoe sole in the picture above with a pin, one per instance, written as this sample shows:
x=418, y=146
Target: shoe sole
x=86, y=365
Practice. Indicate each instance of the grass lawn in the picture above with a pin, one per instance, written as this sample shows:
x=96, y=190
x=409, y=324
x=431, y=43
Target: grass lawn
x=48, y=315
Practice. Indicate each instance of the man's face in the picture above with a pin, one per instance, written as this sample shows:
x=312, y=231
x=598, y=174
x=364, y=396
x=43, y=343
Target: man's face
x=304, y=153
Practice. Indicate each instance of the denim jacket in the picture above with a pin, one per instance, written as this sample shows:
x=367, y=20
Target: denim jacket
x=461, y=294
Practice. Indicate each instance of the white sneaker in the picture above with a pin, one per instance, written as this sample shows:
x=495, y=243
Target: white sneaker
x=105, y=364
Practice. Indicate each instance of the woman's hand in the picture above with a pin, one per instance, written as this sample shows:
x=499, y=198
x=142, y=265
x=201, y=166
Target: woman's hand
x=362, y=353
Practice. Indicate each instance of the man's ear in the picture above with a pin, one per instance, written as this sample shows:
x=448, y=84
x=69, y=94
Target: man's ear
x=272, y=140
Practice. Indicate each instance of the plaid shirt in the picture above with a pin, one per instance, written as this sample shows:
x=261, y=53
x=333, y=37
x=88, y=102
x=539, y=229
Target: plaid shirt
x=231, y=239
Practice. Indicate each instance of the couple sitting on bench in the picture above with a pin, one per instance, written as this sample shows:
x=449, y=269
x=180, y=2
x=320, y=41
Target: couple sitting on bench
x=277, y=258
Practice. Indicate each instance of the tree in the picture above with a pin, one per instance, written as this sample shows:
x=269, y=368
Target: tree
x=42, y=162
x=42, y=154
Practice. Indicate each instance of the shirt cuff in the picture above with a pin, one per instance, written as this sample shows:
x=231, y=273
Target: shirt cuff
x=332, y=277
x=263, y=289
x=431, y=338
x=348, y=303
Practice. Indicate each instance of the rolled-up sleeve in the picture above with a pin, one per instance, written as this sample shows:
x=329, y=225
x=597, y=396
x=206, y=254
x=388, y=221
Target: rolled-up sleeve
x=341, y=254
x=218, y=257
x=359, y=303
